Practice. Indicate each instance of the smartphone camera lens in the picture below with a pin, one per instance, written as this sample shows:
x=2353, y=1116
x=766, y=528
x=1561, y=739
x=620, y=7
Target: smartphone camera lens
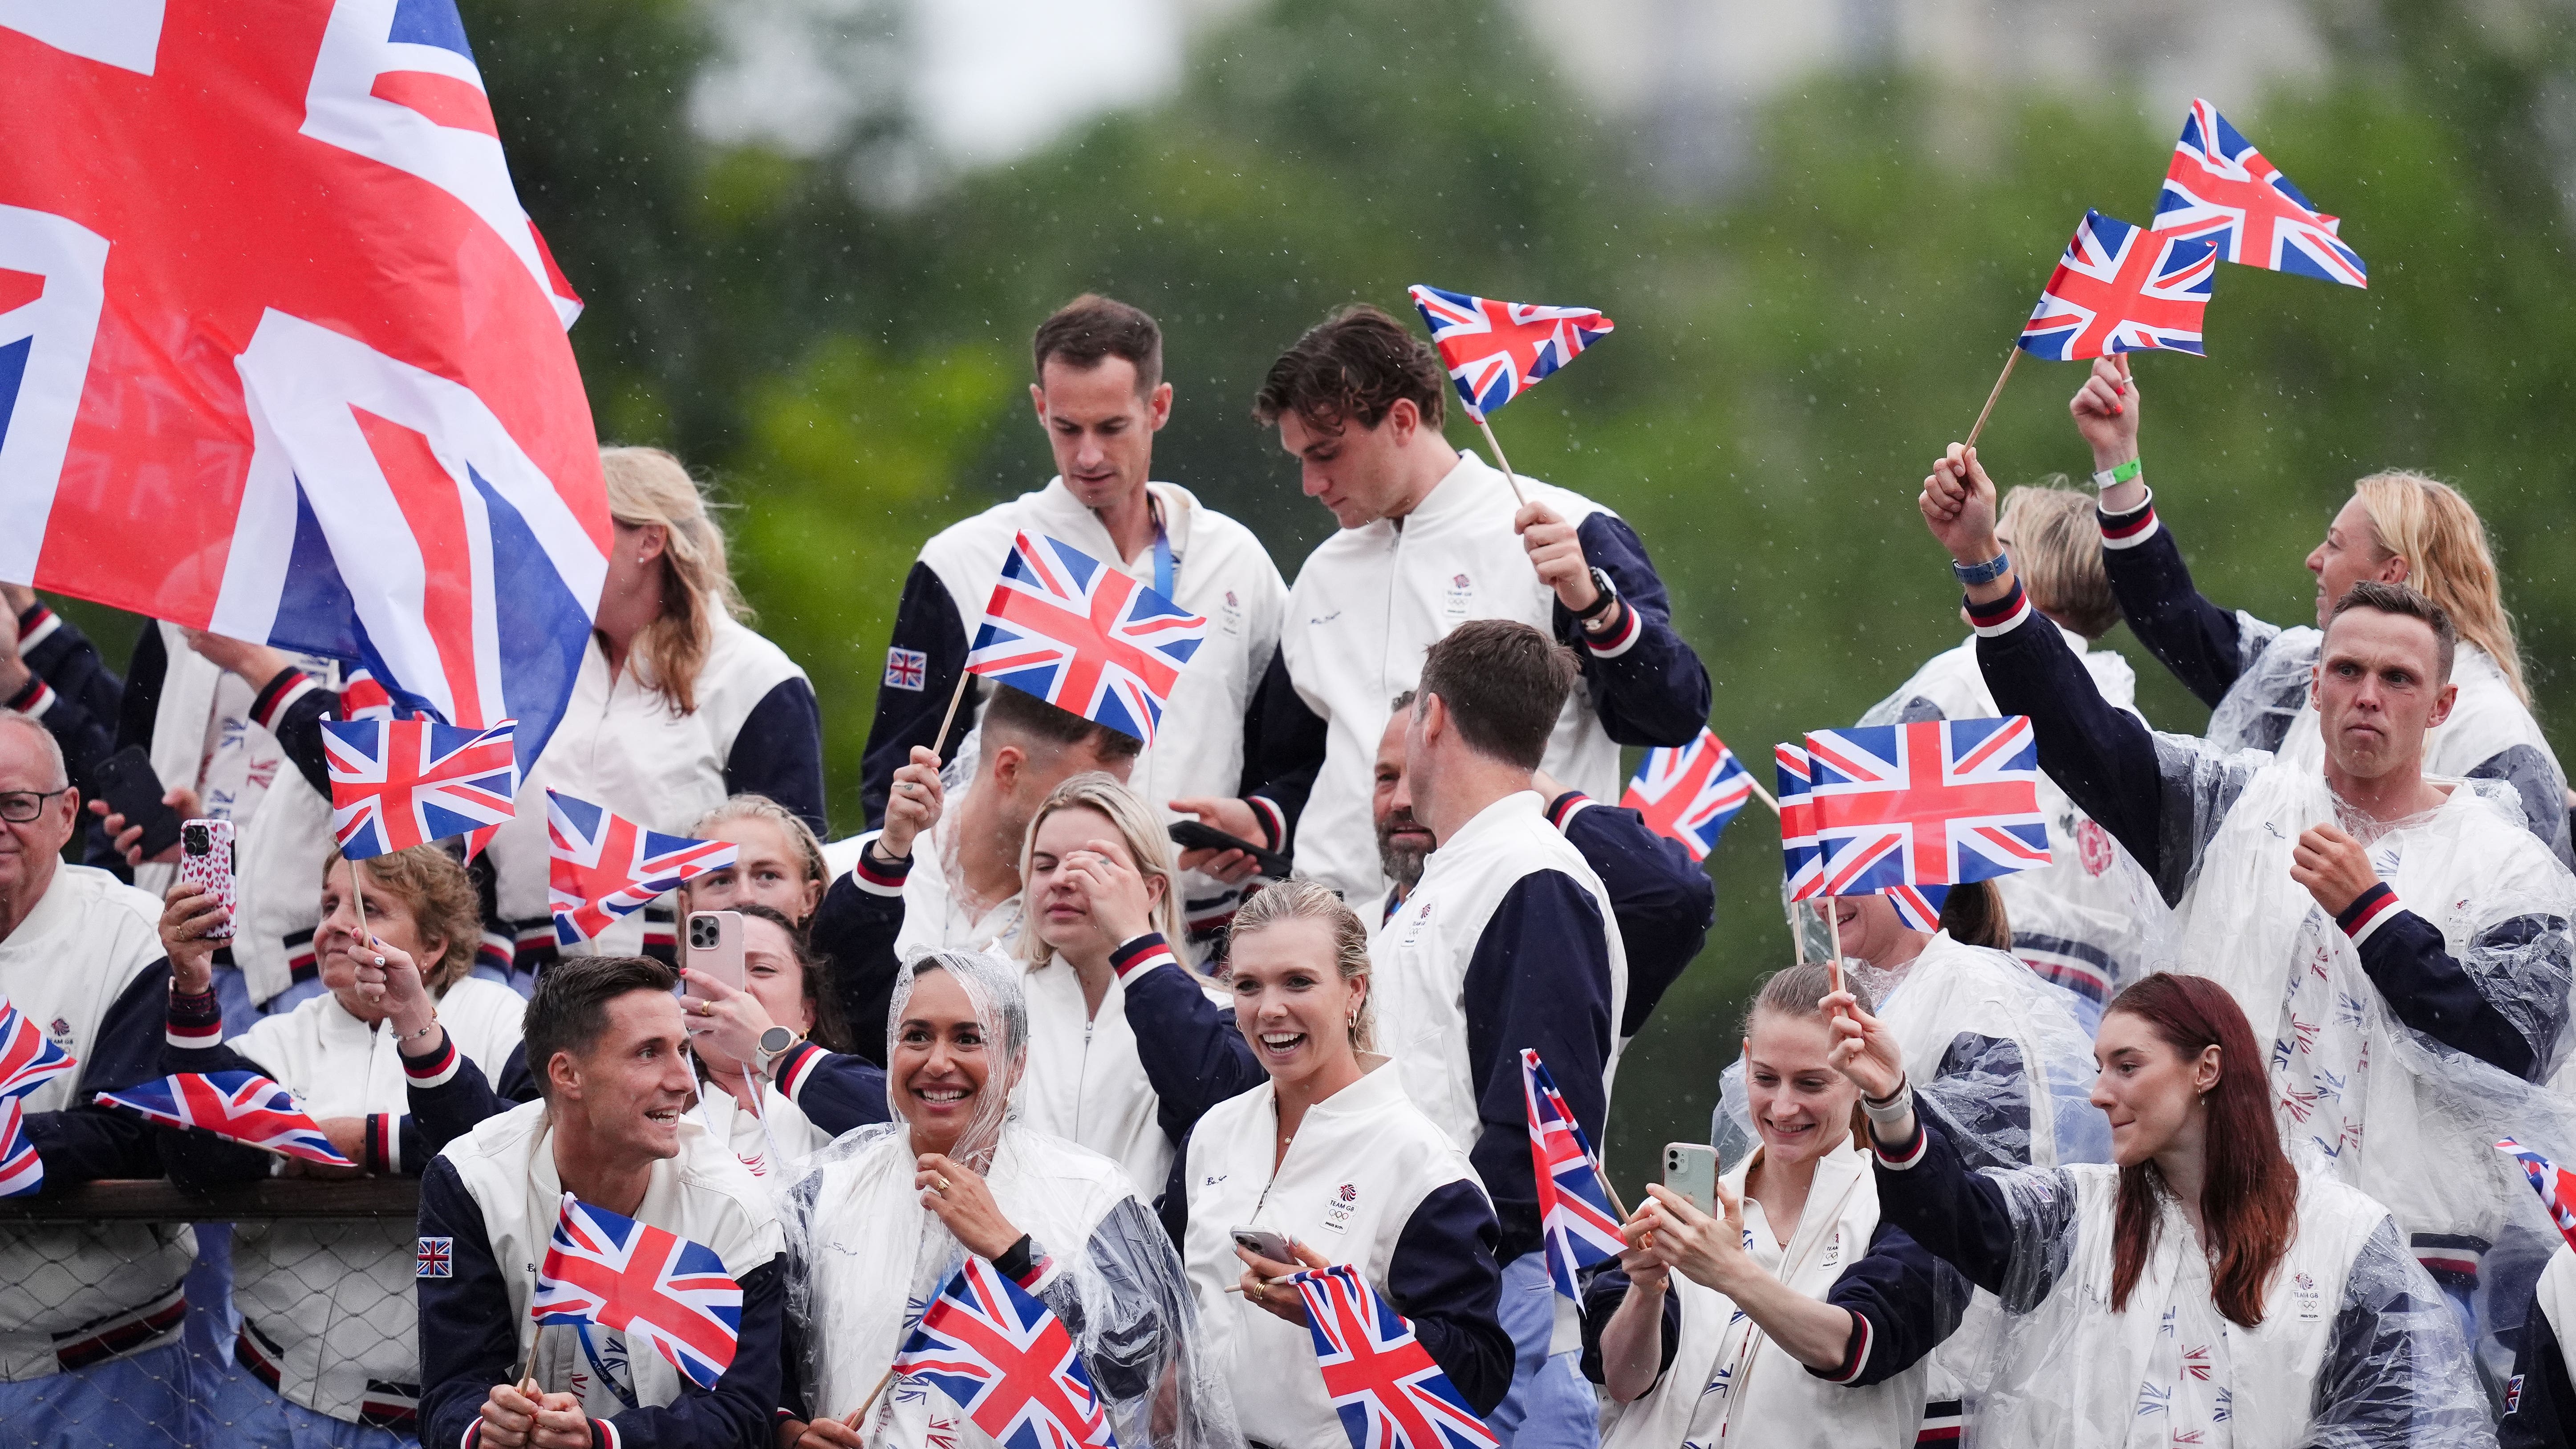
x=702, y=934
x=196, y=841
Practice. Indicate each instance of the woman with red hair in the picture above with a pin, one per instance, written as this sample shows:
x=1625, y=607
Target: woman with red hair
x=2199, y=1289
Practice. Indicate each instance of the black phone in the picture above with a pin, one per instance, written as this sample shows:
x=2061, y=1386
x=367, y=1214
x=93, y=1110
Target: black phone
x=127, y=783
x=1199, y=835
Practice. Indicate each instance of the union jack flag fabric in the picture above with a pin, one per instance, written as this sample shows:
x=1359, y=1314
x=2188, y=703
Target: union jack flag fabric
x=397, y=783
x=1691, y=793
x=602, y=865
x=1084, y=637
x=2557, y=1188
x=1800, y=866
x=22, y=1171
x=2221, y=190
x=1919, y=907
x=243, y=1106
x=1388, y=1390
x=1495, y=351
x=281, y=355
x=28, y=1058
x=2120, y=289
x=1007, y=1362
x=1937, y=802
x=1573, y=1199
x=644, y=1282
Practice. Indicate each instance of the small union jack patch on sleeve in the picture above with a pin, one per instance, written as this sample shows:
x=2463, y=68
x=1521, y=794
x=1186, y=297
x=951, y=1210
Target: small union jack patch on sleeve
x=437, y=1258
x=907, y=669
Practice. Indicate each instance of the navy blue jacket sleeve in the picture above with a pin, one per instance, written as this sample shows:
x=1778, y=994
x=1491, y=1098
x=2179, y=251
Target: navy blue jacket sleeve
x=2410, y=963
x=1602, y=1294
x=854, y=930
x=2104, y=758
x=778, y=752
x=449, y=1095
x=1647, y=684
x=2194, y=638
x=923, y=660
x=835, y=1091
x=70, y=690
x=1283, y=751
x=1958, y=1216
x=295, y=716
x=1539, y=977
x=1903, y=1302
x=1444, y=1278
x=1194, y=1057
x=1663, y=900
x=469, y=1339
x=82, y=1143
x=2539, y=1400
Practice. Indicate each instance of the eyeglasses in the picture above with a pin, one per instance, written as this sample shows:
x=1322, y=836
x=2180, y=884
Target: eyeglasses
x=20, y=806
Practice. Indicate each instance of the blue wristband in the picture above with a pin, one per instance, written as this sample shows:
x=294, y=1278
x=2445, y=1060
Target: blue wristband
x=1984, y=573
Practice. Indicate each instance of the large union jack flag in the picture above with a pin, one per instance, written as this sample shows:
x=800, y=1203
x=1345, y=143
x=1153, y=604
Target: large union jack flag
x=243, y=1106
x=1801, y=868
x=2221, y=190
x=1691, y=793
x=643, y=1282
x=281, y=355
x=1573, y=1198
x=28, y=1059
x=1000, y=1356
x=1084, y=637
x=2120, y=289
x=1937, y=802
x=1495, y=351
x=1389, y=1391
x=2556, y=1186
x=397, y=783
x=602, y=865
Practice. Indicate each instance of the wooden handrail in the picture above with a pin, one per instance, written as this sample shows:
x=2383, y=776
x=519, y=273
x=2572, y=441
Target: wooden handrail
x=160, y=1200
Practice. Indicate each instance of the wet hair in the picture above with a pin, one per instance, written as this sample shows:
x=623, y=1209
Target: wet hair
x=1092, y=327
x=1355, y=365
x=442, y=901
x=1136, y=825
x=2057, y=553
x=1973, y=915
x=1032, y=720
x=800, y=836
x=647, y=486
x=829, y=1031
x=2406, y=603
x=1301, y=899
x=2431, y=526
x=1504, y=683
x=2249, y=1196
x=569, y=1008
x=992, y=986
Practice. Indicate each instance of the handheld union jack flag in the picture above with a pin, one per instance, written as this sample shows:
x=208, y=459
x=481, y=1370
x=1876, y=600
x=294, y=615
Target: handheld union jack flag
x=1084, y=637
x=1800, y=865
x=644, y=1282
x=1691, y=793
x=1573, y=1198
x=28, y=1059
x=22, y=1171
x=397, y=783
x=1495, y=351
x=1388, y=1390
x=2221, y=190
x=243, y=1106
x=1000, y=1356
x=2556, y=1186
x=602, y=865
x=1937, y=802
x=2120, y=289
x=1918, y=906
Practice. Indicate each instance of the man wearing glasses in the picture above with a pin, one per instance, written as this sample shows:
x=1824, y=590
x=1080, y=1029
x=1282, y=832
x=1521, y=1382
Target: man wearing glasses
x=90, y=1316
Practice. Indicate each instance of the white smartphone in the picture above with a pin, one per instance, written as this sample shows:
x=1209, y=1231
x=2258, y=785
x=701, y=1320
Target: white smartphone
x=1690, y=1168
x=1262, y=1242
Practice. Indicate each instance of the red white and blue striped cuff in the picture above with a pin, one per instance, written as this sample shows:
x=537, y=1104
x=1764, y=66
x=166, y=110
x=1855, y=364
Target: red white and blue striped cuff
x=2128, y=530
x=2368, y=912
x=36, y=626
x=1999, y=616
x=1274, y=821
x=1141, y=954
x=33, y=698
x=290, y=685
x=793, y=1067
x=195, y=1022
x=1855, y=1353
x=604, y=1435
x=1620, y=640
x=879, y=877
x=1566, y=806
x=384, y=1144
x=435, y=1070
x=1039, y=1272
x=1899, y=1158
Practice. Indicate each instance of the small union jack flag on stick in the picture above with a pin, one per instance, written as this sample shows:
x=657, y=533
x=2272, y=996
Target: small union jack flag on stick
x=1388, y=1389
x=1800, y=867
x=1495, y=351
x=645, y=1282
x=1578, y=1215
x=28, y=1059
x=2556, y=1186
x=2221, y=190
x=397, y=783
x=601, y=865
x=995, y=1351
x=1934, y=803
x=1083, y=637
x=2117, y=289
x=243, y=1106
x=1691, y=793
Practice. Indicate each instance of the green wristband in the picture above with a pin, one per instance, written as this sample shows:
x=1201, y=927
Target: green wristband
x=2113, y=478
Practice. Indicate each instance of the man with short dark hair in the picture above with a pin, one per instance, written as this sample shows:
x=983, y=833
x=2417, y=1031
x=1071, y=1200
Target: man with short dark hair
x=605, y=1040
x=1509, y=942
x=1431, y=537
x=1100, y=397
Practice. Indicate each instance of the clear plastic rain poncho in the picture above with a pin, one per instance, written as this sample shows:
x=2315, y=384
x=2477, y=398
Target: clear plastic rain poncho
x=2356, y=1346
x=2274, y=667
x=2394, y=1112
x=866, y=1258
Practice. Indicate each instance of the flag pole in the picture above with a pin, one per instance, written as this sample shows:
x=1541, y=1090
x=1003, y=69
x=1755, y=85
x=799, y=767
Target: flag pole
x=851, y=1419
x=939, y=741
x=1834, y=929
x=2000, y=379
x=1761, y=794
x=1502, y=462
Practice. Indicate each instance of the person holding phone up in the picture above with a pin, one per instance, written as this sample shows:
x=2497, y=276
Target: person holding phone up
x=1795, y=1317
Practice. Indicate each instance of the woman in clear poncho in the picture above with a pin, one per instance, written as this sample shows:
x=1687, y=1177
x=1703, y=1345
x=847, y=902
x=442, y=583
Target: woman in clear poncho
x=2198, y=1289
x=883, y=1216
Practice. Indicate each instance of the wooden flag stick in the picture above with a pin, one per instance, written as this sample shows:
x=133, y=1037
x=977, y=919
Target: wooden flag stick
x=852, y=1418
x=1502, y=462
x=1761, y=794
x=1833, y=928
x=939, y=741
x=2000, y=379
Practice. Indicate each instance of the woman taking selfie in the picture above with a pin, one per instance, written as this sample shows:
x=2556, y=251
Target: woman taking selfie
x=2196, y=1289
x=746, y=1095
x=1795, y=1316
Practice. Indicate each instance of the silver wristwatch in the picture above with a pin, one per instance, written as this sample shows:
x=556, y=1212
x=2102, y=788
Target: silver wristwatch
x=773, y=1044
